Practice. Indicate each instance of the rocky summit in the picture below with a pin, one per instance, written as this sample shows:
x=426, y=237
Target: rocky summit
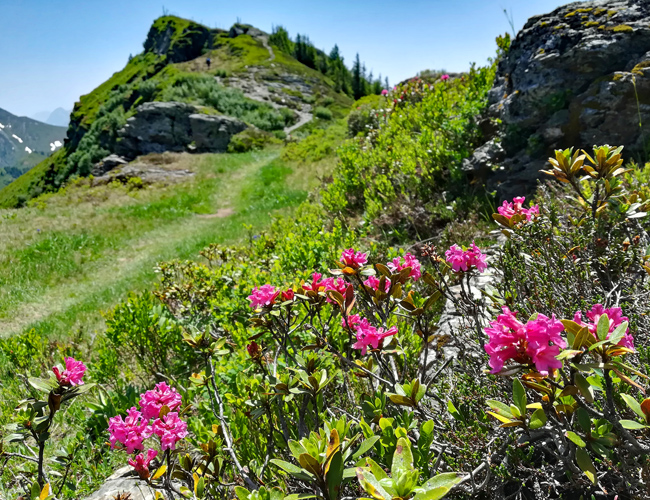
x=578, y=76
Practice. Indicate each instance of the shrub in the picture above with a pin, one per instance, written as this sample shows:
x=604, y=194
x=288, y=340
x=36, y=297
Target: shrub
x=250, y=139
x=322, y=113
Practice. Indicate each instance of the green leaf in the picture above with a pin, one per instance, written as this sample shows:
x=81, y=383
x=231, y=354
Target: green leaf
x=584, y=386
x=500, y=408
x=400, y=400
x=293, y=470
x=445, y=480
x=575, y=439
x=296, y=448
x=585, y=464
x=371, y=485
x=618, y=334
x=42, y=384
x=519, y=395
x=632, y=424
x=334, y=476
x=376, y=470
x=365, y=446
x=242, y=493
x=434, y=494
x=634, y=405
x=603, y=327
x=402, y=458
x=537, y=419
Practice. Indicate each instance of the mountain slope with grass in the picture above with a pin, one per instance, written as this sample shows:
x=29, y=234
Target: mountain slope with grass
x=242, y=73
x=24, y=142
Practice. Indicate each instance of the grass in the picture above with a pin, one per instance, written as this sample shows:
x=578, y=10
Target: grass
x=69, y=255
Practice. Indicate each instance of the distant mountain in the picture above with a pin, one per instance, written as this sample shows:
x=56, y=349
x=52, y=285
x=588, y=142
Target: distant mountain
x=24, y=142
x=59, y=117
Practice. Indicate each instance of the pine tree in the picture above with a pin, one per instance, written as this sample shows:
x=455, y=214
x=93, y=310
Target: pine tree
x=357, y=79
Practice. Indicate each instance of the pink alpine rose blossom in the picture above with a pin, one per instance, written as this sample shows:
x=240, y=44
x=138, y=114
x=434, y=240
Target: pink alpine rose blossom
x=130, y=432
x=73, y=373
x=152, y=401
x=615, y=316
x=170, y=429
x=353, y=259
x=141, y=463
x=529, y=343
x=353, y=321
x=368, y=335
x=316, y=285
x=463, y=260
x=444, y=78
x=508, y=210
x=373, y=282
x=263, y=296
x=288, y=295
x=408, y=260
x=384, y=92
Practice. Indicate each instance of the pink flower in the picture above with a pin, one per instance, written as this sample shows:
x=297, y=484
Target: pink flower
x=368, y=335
x=316, y=284
x=170, y=429
x=141, y=464
x=263, y=296
x=409, y=261
x=354, y=259
x=463, y=260
x=73, y=373
x=384, y=92
x=615, y=316
x=508, y=210
x=131, y=432
x=152, y=401
x=444, y=78
x=353, y=321
x=288, y=295
x=525, y=343
x=373, y=282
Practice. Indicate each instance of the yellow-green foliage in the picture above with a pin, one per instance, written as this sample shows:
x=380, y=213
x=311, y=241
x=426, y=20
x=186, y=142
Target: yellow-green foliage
x=622, y=28
x=589, y=24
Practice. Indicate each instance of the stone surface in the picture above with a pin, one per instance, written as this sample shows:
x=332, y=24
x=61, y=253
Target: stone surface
x=174, y=126
x=108, y=164
x=123, y=481
x=577, y=76
x=212, y=133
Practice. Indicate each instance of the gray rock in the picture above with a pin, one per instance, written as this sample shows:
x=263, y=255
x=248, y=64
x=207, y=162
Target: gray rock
x=569, y=79
x=174, y=126
x=108, y=164
x=123, y=481
x=212, y=133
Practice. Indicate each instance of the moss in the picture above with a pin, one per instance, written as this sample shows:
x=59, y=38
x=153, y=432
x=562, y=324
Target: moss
x=599, y=11
x=571, y=14
x=543, y=24
x=622, y=28
x=638, y=69
x=586, y=9
x=590, y=24
x=618, y=76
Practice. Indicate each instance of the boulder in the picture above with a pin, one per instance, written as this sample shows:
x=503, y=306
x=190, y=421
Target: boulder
x=124, y=481
x=156, y=127
x=578, y=76
x=108, y=164
x=212, y=133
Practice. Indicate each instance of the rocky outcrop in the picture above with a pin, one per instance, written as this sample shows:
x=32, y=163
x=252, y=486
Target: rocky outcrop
x=578, y=76
x=178, y=39
x=126, y=483
x=174, y=126
x=108, y=164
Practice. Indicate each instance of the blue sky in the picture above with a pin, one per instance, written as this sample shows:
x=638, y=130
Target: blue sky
x=53, y=51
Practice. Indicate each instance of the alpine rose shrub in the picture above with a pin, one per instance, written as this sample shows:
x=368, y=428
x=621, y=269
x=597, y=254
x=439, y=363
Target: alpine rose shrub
x=73, y=373
x=516, y=207
x=373, y=282
x=615, y=316
x=463, y=260
x=529, y=343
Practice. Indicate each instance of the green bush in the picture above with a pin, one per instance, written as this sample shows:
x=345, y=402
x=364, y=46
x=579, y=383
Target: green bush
x=250, y=139
x=322, y=113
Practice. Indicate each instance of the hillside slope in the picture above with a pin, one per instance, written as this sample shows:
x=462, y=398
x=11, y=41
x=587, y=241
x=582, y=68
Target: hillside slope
x=24, y=142
x=247, y=78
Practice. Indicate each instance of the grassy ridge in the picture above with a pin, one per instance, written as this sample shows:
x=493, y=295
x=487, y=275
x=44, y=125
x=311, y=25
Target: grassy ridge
x=69, y=255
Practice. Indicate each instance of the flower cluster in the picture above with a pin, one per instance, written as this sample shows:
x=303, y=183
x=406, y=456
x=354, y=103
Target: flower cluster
x=352, y=258
x=408, y=260
x=368, y=335
x=73, y=373
x=444, y=77
x=508, y=210
x=528, y=343
x=465, y=259
x=263, y=296
x=373, y=282
x=615, y=316
x=152, y=401
x=132, y=431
